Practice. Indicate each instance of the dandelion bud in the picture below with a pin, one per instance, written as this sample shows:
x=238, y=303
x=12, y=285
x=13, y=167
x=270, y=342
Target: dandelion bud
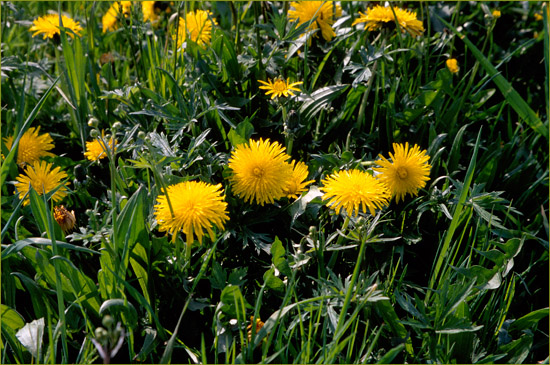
x=93, y=122
x=100, y=333
x=94, y=133
x=108, y=321
x=116, y=126
x=142, y=135
x=64, y=218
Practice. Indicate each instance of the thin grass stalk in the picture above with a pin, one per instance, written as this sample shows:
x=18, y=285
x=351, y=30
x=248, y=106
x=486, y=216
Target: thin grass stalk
x=167, y=355
x=456, y=218
x=349, y=292
x=58, y=285
x=334, y=255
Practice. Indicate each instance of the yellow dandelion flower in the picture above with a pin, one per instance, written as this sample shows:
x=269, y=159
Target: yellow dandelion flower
x=197, y=206
x=32, y=146
x=48, y=25
x=452, y=65
x=324, y=13
x=260, y=171
x=42, y=178
x=496, y=14
x=279, y=87
x=538, y=17
x=197, y=26
x=259, y=325
x=354, y=189
x=149, y=13
x=111, y=19
x=380, y=16
x=95, y=150
x=64, y=218
x=296, y=184
x=408, y=171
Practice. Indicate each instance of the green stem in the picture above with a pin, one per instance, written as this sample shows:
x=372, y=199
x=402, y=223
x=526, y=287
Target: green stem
x=258, y=39
x=363, y=106
x=350, y=290
x=287, y=132
x=58, y=286
x=338, y=242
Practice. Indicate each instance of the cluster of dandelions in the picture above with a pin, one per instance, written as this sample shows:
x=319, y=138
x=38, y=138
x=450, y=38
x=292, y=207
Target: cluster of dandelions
x=197, y=25
x=44, y=177
x=262, y=173
x=355, y=190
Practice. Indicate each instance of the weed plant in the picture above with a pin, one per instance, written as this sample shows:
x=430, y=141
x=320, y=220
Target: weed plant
x=456, y=271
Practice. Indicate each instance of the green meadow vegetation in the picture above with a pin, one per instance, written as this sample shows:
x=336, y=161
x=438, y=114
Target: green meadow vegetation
x=274, y=182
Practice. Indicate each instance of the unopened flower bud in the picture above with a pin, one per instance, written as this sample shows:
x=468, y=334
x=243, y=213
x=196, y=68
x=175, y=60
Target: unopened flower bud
x=94, y=133
x=108, y=321
x=100, y=333
x=93, y=122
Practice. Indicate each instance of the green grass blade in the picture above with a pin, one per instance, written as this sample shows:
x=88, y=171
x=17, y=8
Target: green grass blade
x=456, y=216
x=510, y=94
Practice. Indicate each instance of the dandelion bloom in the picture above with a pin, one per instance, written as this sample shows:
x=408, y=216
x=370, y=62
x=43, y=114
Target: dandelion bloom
x=112, y=17
x=260, y=171
x=152, y=9
x=64, y=218
x=279, y=87
x=496, y=14
x=95, y=150
x=32, y=146
x=380, y=16
x=148, y=10
x=355, y=189
x=42, y=178
x=296, y=183
x=49, y=26
x=452, y=65
x=197, y=26
x=259, y=325
x=324, y=13
x=196, y=206
x=408, y=171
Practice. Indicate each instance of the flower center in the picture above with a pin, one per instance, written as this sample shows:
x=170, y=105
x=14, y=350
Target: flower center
x=279, y=85
x=402, y=173
x=258, y=172
x=291, y=188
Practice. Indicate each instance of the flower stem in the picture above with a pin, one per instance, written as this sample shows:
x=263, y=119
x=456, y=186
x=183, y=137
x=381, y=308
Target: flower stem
x=350, y=289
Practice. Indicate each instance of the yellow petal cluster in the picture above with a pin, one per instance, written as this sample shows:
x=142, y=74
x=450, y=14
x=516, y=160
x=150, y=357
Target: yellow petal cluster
x=279, y=87
x=32, y=146
x=196, y=206
x=111, y=19
x=197, y=26
x=43, y=179
x=96, y=149
x=48, y=26
x=354, y=190
x=406, y=173
x=296, y=183
x=379, y=16
x=324, y=12
x=452, y=65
